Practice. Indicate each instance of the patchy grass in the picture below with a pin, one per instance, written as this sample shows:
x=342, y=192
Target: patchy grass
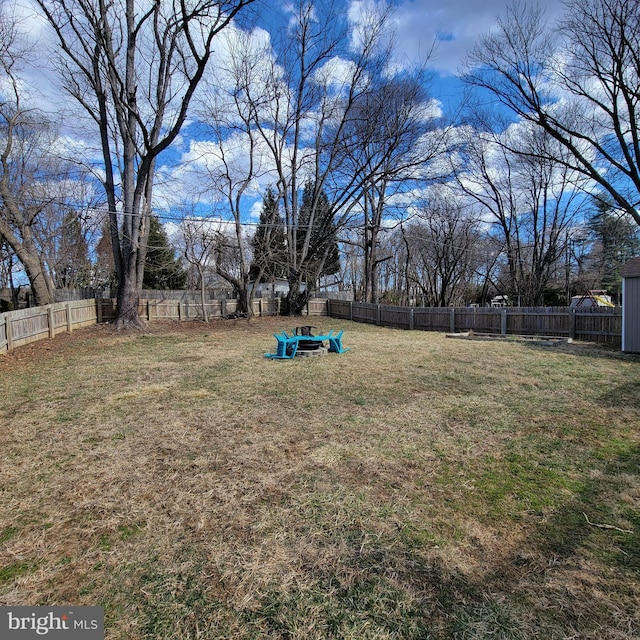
x=413, y=488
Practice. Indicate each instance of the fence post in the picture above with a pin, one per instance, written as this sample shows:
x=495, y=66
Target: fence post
x=410, y=318
x=503, y=322
x=7, y=330
x=351, y=310
x=50, y=321
x=572, y=323
x=378, y=316
x=68, y=313
x=98, y=310
x=452, y=320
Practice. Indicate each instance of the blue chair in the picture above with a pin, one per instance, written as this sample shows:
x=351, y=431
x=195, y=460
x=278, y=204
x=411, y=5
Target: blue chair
x=286, y=347
x=335, y=342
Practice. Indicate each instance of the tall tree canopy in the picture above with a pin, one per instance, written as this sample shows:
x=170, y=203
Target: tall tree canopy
x=317, y=236
x=134, y=66
x=579, y=83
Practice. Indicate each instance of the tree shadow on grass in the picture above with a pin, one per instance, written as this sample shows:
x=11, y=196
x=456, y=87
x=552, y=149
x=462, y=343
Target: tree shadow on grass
x=622, y=395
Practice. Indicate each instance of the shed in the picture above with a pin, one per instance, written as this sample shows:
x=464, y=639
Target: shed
x=631, y=306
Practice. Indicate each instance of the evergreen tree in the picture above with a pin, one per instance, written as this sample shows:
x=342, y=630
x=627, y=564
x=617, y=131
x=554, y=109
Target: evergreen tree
x=72, y=266
x=105, y=267
x=162, y=270
x=269, y=244
x=323, y=258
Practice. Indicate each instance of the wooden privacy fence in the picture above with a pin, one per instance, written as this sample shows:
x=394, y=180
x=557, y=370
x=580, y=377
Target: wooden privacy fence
x=18, y=328
x=601, y=325
x=21, y=327
x=189, y=310
x=593, y=324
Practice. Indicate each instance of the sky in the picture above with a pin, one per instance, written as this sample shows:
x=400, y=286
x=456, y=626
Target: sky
x=452, y=25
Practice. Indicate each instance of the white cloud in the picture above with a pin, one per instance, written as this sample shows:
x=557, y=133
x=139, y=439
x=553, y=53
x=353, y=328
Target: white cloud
x=452, y=26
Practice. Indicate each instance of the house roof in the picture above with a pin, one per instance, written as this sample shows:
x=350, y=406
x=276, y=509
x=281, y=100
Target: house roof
x=631, y=268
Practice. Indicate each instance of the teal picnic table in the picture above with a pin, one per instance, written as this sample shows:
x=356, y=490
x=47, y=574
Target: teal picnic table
x=288, y=345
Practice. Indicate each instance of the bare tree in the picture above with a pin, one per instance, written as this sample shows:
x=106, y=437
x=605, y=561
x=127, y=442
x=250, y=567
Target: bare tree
x=531, y=202
x=302, y=108
x=134, y=68
x=580, y=83
x=442, y=243
x=234, y=162
x=198, y=248
x=392, y=135
x=21, y=201
x=25, y=137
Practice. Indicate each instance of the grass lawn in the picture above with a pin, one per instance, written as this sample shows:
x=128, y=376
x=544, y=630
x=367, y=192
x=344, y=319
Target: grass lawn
x=415, y=487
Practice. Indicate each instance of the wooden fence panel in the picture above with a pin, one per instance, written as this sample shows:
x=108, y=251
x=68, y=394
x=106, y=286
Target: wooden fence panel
x=4, y=337
x=396, y=317
x=214, y=308
x=599, y=326
x=18, y=328
x=266, y=306
x=29, y=325
x=485, y=320
x=59, y=321
x=340, y=309
x=435, y=319
x=602, y=325
x=317, y=307
x=551, y=321
x=83, y=313
x=162, y=309
x=478, y=320
x=365, y=312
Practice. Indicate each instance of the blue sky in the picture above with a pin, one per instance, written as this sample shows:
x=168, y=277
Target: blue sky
x=453, y=26
x=448, y=30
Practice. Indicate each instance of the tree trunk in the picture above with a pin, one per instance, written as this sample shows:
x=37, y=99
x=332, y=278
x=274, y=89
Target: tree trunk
x=203, y=300
x=29, y=256
x=128, y=300
x=296, y=299
x=244, y=306
x=40, y=285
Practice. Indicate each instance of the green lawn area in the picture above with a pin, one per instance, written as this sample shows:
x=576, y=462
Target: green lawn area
x=415, y=487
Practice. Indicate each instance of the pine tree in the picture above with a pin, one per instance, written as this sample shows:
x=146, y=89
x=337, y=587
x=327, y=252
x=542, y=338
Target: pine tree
x=269, y=244
x=162, y=270
x=72, y=267
x=323, y=258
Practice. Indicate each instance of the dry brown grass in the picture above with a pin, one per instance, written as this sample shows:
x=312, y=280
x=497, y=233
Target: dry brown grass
x=415, y=487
